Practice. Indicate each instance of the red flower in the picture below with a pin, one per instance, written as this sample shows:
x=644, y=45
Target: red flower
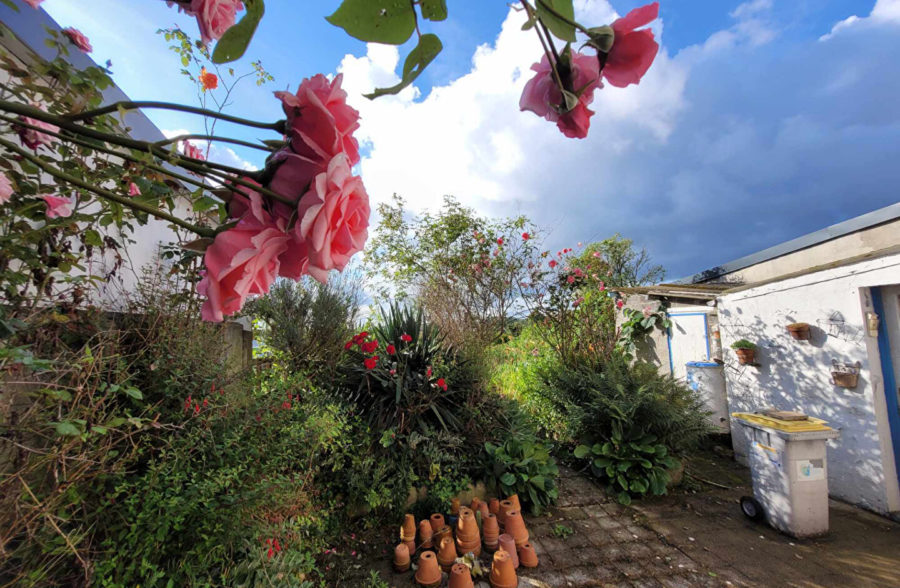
x=371, y=362
x=405, y=338
x=391, y=350
x=442, y=384
x=500, y=241
x=348, y=344
x=205, y=402
x=196, y=409
x=277, y=546
x=286, y=405
x=270, y=553
x=393, y=372
x=369, y=347
x=428, y=372
x=208, y=80
x=552, y=263
x=620, y=303
x=633, y=51
x=526, y=236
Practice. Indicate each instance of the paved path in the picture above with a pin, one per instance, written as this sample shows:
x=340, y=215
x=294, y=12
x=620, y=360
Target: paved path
x=695, y=537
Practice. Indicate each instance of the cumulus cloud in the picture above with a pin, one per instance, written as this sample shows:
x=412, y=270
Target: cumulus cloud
x=726, y=147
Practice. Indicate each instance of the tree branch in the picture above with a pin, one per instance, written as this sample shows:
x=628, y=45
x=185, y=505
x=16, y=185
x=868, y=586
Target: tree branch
x=135, y=105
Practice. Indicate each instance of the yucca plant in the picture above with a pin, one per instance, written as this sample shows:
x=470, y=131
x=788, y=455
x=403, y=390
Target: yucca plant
x=401, y=375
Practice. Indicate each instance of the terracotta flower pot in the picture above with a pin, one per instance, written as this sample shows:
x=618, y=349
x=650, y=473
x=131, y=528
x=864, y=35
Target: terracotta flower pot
x=503, y=573
x=408, y=529
x=508, y=544
x=476, y=503
x=485, y=511
x=460, y=576
x=505, y=507
x=440, y=534
x=454, y=506
x=494, y=506
x=401, y=558
x=515, y=526
x=515, y=500
x=425, y=534
x=429, y=573
x=491, y=531
x=411, y=546
x=528, y=556
x=447, y=554
x=437, y=521
x=799, y=331
x=468, y=538
x=746, y=356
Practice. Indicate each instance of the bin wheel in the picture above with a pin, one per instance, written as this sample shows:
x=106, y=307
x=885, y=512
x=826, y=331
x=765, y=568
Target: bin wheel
x=751, y=508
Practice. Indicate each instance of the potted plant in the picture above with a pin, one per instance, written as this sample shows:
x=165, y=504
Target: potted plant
x=799, y=331
x=746, y=351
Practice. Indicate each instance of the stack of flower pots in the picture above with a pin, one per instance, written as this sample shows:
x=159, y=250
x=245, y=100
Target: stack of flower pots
x=460, y=576
x=447, y=553
x=503, y=573
x=425, y=534
x=408, y=533
x=508, y=544
x=515, y=526
x=401, y=558
x=429, y=574
x=494, y=506
x=437, y=521
x=505, y=506
x=491, y=529
x=468, y=539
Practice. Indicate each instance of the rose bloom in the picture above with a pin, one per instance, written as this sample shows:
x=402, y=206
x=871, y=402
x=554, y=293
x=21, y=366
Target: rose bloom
x=133, y=189
x=321, y=122
x=633, y=51
x=209, y=81
x=526, y=236
x=620, y=303
x=57, y=206
x=391, y=350
x=371, y=362
x=6, y=189
x=34, y=138
x=33, y=3
x=552, y=263
x=405, y=338
x=214, y=17
x=295, y=173
x=542, y=96
x=78, y=39
x=333, y=218
x=192, y=151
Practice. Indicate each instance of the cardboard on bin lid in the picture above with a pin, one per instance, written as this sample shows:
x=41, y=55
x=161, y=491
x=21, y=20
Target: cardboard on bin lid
x=785, y=415
x=810, y=424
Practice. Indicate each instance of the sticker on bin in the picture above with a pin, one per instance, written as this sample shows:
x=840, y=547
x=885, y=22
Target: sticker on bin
x=809, y=470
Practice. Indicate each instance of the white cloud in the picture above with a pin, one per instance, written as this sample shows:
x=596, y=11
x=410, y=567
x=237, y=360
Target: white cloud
x=884, y=12
x=734, y=141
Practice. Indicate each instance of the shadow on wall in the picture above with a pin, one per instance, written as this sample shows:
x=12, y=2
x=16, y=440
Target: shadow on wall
x=796, y=375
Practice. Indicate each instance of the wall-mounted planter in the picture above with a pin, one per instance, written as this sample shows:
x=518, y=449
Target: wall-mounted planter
x=845, y=375
x=746, y=356
x=799, y=331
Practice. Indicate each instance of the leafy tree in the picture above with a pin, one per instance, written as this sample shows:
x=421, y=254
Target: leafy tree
x=619, y=263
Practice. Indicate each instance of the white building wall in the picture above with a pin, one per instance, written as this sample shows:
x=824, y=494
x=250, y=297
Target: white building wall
x=796, y=375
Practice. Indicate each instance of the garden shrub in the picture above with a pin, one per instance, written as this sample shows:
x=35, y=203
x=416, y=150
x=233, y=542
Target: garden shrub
x=523, y=465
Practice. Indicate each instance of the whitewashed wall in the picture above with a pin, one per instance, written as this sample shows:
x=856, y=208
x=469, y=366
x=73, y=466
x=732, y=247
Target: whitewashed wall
x=796, y=375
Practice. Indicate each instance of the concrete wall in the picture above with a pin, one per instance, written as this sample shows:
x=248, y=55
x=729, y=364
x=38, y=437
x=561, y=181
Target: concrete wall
x=795, y=375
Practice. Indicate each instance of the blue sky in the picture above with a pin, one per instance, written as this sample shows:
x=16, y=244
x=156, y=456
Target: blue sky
x=760, y=120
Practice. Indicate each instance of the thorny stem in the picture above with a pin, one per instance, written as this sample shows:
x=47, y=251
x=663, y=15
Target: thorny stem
x=550, y=56
x=553, y=11
x=211, y=139
x=135, y=105
x=61, y=175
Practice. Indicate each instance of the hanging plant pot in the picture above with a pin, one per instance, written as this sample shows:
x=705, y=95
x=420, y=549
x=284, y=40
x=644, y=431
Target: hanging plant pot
x=799, y=331
x=845, y=375
x=746, y=356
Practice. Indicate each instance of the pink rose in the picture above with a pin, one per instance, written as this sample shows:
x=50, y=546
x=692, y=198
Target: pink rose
x=294, y=175
x=181, y=7
x=57, y=206
x=633, y=51
x=6, y=189
x=333, y=218
x=214, y=17
x=78, y=39
x=192, y=151
x=241, y=261
x=33, y=137
x=33, y=3
x=133, y=189
x=320, y=120
x=620, y=303
x=543, y=97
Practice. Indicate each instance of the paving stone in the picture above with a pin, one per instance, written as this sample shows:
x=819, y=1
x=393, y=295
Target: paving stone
x=676, y=582
x=573, y=513
x=541, y=577
x=592, y=576
x=646, y=583
x=633, y=569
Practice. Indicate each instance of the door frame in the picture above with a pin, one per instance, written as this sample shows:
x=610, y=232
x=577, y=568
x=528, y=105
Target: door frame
x=892, y=398
x=705, y=316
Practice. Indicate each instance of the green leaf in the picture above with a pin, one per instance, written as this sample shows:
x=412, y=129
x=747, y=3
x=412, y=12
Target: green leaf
x=538, y=481
x=640, y=485
x=624, y=498
x=434, y=9
x=601, y=463
x=11, y=4
x=508, y=479
x=418, y=59
x=581, y=451
x=558, y=26
x=92, y=237
x=234, y=42
x=602, y=38
x=376, y=21
x=134, y=393
x=68, y=429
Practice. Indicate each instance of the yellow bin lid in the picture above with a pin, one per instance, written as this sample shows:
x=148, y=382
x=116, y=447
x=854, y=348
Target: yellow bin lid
x=810, y=424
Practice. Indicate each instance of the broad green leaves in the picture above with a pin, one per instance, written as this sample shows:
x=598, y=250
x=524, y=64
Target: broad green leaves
x=418, y=59
x=234, y=42
x=377, y=21
x=558, y=15
x=434, y=9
